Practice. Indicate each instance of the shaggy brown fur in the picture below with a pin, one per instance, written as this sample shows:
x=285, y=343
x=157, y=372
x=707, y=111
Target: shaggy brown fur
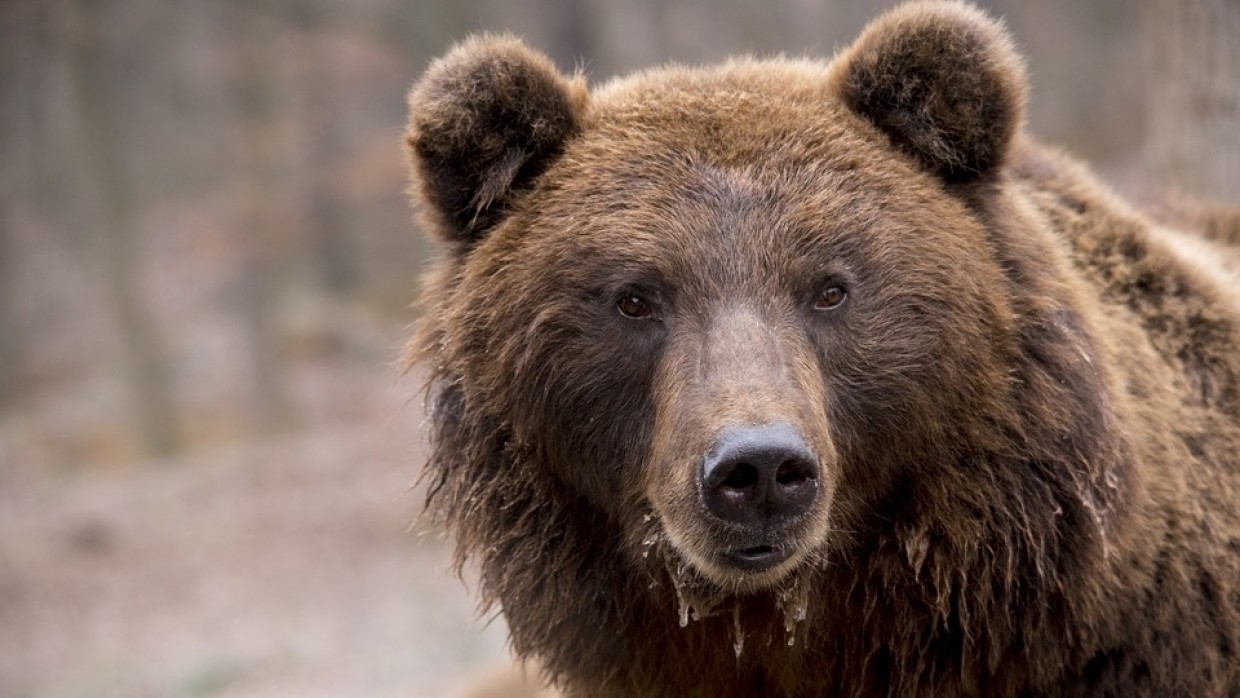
x=1022, y=411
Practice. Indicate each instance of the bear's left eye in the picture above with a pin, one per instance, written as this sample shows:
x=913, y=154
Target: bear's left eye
x=831, y=297
x=633, y=306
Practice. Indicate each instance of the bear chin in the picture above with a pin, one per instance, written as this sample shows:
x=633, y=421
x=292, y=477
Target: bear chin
x=746, y=567
x=720, y=584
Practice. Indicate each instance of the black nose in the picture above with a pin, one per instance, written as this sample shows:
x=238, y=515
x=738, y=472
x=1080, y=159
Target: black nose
x=758, y=474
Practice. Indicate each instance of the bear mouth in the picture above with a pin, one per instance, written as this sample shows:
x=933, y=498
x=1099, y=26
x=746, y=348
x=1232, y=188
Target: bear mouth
x=739, y=561
x=757, y=558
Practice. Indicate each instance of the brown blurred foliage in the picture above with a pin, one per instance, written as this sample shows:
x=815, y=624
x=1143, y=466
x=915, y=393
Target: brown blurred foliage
x=202, y=201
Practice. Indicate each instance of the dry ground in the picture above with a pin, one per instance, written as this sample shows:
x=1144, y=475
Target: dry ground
x=286, y=568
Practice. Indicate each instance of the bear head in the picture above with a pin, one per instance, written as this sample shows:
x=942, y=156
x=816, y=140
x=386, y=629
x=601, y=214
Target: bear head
x=735, y=316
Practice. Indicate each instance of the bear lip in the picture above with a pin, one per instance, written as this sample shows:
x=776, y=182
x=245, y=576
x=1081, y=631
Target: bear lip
x=757, y=558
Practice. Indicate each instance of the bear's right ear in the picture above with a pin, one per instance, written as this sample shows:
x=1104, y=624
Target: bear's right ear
x=485, y=119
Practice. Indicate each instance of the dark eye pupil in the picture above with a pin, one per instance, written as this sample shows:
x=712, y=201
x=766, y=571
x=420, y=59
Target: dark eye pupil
x=831, y=297
x=632, y=306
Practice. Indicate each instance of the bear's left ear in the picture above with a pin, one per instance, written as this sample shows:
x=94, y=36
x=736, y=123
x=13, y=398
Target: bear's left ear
x=943, y=81
x=484, y=120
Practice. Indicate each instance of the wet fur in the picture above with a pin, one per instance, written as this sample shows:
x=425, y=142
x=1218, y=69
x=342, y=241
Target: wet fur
x=1046, y=503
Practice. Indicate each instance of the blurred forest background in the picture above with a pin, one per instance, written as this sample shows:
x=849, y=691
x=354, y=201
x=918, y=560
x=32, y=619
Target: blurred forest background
x=206, y=264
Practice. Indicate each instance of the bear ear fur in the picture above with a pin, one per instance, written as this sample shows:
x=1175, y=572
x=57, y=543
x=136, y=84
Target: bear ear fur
x=485, y=119
x=943, y=81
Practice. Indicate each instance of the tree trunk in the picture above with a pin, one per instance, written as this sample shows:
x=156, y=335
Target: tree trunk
x=264, y=230
x=1193, y=130
x=113, y=237
x=10, y=347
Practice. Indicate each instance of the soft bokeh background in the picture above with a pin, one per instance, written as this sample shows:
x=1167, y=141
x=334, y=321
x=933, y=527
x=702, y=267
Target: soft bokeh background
x=207, y=448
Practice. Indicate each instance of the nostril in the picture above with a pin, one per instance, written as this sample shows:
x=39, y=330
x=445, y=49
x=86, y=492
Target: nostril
x=793, y=472
x=742, y=476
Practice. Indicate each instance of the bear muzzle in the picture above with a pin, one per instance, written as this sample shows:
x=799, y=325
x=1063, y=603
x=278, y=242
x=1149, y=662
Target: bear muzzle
x=742, y=462
x=758, y=480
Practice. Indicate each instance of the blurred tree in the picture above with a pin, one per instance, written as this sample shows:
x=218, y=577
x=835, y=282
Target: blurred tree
x=328, y=244
x=208, y=190
x=112, y=231
x=569, y=22
x=263, y=234
x=10, y=347
x=332, y=244
x=15, y=45
x=1193, y=128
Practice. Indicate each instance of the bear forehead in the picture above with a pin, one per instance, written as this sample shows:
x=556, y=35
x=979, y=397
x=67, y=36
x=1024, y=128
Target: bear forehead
x=749, y=170
x=743, y=112
x=706, y=215
x=763, y=147
x=771, y=80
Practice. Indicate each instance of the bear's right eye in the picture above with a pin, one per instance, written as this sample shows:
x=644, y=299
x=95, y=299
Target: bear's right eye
x=631, y=305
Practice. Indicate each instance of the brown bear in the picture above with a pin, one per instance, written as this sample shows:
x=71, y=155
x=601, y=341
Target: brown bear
x=787, y=378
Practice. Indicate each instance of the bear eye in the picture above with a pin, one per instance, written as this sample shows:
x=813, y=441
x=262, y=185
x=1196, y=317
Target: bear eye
x=830, y=298
x=632, y=306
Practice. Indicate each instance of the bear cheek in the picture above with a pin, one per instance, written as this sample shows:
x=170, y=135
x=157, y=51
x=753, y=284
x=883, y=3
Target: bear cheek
x=590, y=420
x=670, y=479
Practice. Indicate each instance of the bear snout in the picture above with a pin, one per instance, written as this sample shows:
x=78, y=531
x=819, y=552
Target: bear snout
x=757, y=475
